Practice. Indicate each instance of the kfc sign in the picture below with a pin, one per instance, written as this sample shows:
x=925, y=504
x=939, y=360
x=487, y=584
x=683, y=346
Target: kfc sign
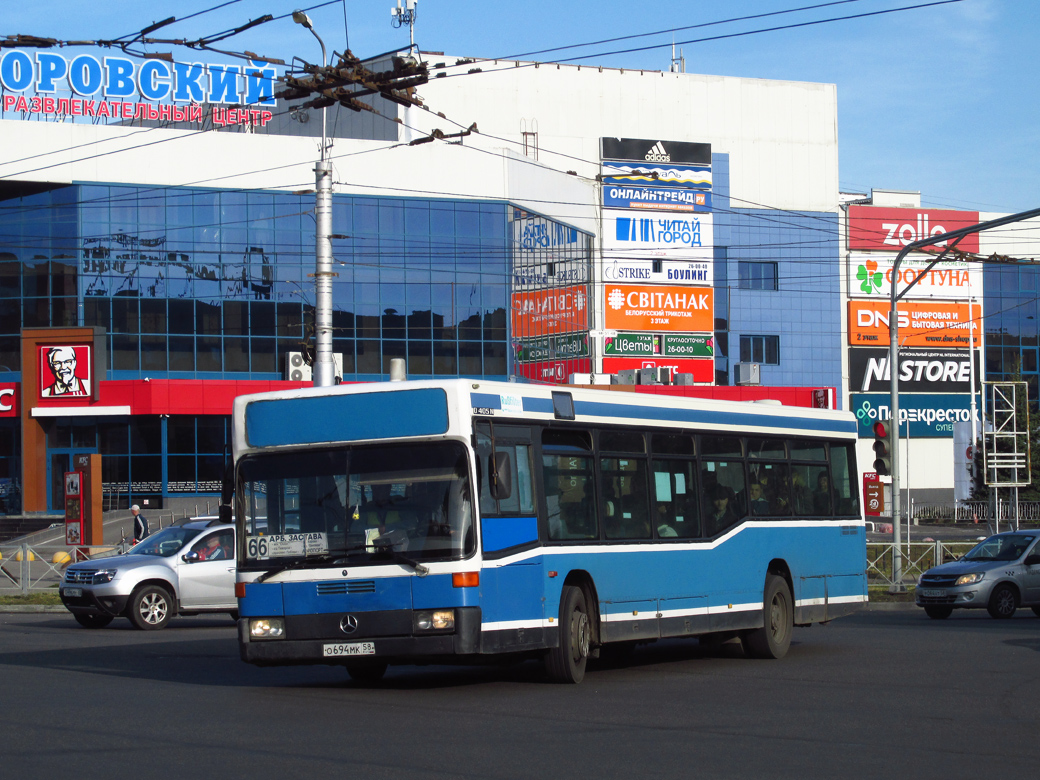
x=889, y=230
x=65, y=372
x=8, y=399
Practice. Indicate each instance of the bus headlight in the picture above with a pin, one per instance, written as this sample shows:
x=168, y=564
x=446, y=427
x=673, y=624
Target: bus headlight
x=434, y=620
x=267, y=628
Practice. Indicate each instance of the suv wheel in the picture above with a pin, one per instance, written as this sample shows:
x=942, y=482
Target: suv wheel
x=150, y=607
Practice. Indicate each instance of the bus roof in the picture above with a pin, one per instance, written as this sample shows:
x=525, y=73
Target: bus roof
x=445, y=408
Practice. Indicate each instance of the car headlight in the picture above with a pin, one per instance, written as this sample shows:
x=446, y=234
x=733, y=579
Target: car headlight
x=267, y=628
x=434, y=620
x=970, y=579
x=104, y=575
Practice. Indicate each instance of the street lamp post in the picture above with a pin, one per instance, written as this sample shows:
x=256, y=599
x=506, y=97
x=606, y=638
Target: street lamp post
x=324, y=366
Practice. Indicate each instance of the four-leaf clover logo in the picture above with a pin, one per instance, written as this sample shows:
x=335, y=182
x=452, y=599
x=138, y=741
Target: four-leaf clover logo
x=869, y=277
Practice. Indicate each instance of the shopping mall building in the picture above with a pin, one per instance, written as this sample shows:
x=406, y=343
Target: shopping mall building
x=529, y=221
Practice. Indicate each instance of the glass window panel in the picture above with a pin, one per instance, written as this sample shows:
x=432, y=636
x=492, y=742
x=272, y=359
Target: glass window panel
x=766, y=448
x=722, y=446
x=207, y=317
x=721, y=481
x=96, y=311
x=180, y=474
x=208, y=353
x=153, y=353
x=262, y=321
x=236, y=318
x=211, y=473
x=623, y=493
x=180, y=434
x=290, y=319
x=807, y=450
x=59, y=436
x=621, y=441
x=145, y=436
x=10, y=276
x=36, y=312
x=125, y=318
x=145, y=474
x=236, y=354
x=124, y=353
x=211, y=433
x=262, y=355
x=569, y=496
x=113, y=438
x=672, y=444
x=182, y=353
x=846, y=491
x=676, y=500
x=64, y=312
x=494, y=358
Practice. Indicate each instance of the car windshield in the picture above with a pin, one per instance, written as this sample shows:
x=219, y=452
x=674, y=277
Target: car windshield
x=165, y=542
x=1009, y=547
x=366, y=504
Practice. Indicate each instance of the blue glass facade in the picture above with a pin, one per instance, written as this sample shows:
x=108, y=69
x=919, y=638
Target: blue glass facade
x=205, y=284
x=804, y=310
x=1011, y=313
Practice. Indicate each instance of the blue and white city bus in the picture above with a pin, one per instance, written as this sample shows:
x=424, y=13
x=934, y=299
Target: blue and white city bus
x=437, y=521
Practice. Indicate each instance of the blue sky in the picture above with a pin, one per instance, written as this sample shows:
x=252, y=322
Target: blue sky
x=940, y=99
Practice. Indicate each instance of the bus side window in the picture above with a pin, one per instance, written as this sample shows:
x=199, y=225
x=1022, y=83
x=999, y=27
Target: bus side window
x=624, y=490
x=843, y=464
x=676, y=510
x=521, y=499
x=569, y=496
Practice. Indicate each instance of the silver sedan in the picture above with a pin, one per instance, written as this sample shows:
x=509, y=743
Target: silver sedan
x=999, y=574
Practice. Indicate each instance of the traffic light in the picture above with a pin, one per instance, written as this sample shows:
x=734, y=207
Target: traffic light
x=884, y=442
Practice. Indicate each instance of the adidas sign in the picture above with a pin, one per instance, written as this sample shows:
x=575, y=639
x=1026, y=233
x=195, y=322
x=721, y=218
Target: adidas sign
x=658, y=154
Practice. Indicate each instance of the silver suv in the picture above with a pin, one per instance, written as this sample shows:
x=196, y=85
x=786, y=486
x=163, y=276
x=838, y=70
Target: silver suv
x=183, y=569
x=999, y=574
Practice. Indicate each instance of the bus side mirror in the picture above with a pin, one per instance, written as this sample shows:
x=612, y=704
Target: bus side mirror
x=500, y=470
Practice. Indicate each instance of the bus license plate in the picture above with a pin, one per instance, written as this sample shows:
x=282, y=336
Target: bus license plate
x=933, y=592
x=351, y=648
x=73, y=592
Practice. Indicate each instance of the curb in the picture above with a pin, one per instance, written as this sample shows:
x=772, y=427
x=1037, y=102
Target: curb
x=32, y=608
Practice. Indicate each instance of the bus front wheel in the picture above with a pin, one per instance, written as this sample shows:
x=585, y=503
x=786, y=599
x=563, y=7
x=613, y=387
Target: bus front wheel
x=774, y=638
x=566, y=662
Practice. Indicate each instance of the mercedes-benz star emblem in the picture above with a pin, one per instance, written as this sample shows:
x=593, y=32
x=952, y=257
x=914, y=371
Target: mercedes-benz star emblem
x=348, y=625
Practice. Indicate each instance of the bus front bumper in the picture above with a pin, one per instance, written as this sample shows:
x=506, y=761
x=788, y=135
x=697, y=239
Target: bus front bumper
x=320, y=640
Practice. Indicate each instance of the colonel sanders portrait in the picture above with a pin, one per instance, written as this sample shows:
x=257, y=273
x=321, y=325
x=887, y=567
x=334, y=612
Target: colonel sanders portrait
x=62, y=362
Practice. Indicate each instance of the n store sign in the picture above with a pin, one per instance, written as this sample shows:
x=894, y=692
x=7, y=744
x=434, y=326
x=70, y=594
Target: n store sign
x=889, y=230
x=921, y=324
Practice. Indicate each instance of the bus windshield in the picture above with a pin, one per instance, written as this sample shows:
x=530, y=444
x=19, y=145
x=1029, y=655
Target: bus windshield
x=363, y=504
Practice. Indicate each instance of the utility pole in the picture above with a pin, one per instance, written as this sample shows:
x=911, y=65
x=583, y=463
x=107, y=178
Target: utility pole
x=324, y=371
x=330, y=84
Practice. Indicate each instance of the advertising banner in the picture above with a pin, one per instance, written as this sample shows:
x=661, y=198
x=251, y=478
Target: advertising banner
x=9, y=399
x=655, y=151
x=548, y=312
x=657, y=249
x=65, y=372
x=921, y=324
x=554, y=370
x=656, y=198
x=931, y=415
x=890, y=229
x=666, y=345
x=871, y=275
x=920, y=370
x=660, y=308
x=568, y=345
x=702, y=370
x=657, y=175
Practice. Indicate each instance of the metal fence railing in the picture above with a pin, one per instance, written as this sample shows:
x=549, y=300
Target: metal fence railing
x=918, y=557
x=970, y=511
x=26, y=568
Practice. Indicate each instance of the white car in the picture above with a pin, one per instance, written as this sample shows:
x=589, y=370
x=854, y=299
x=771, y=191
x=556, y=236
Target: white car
x=184, y=569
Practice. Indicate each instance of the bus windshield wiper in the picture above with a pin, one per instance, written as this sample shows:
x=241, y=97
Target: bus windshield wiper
x=387, y=548
x=328, y=558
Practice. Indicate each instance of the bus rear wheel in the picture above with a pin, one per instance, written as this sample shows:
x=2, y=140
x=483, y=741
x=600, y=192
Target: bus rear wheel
x=566, y=662
x=774, y=638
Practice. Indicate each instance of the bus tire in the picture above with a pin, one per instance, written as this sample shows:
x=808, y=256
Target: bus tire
x=566, y=662
x=774, y=638
x=368, y=670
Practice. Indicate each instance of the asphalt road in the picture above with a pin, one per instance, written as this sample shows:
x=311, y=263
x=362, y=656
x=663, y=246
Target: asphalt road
x=888, y=694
